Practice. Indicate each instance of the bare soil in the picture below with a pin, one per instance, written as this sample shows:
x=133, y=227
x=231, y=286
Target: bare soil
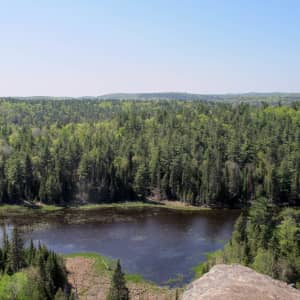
x=91, y=286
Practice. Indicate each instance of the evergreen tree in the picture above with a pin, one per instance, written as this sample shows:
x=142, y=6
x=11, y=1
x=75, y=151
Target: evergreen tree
x=5, y=248
x=199, y=153
x=41, y=285
x=29, y=178
x=30, y=253
x=265, y=240
x=118, y=289
x=16, y=255
x=43, y=280
x=142, y=181
x=176, y=295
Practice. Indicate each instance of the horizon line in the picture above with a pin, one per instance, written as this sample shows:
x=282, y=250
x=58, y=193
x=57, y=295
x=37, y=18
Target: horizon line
x=161, y=92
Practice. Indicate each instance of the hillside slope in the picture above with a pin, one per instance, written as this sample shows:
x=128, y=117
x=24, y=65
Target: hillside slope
x=236, y=282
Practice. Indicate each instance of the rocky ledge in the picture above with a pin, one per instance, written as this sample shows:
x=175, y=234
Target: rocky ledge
x=236, y=282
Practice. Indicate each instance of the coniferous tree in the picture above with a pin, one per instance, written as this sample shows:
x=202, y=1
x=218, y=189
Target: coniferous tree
x=30, y=253
x=47, y=273
x=16, y=254
x=142, y=181
x=176, y=295
x=198, y=153
x=118, y=289
x=266, y=240
x=29, y=179
x=5, y=248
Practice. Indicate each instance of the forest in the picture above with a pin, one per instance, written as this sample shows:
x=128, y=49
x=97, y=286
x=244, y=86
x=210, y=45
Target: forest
x=266, y=239
x=201, y=153
x=32, y=272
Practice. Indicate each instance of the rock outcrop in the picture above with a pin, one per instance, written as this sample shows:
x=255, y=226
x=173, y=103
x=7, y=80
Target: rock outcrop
x=236, y=282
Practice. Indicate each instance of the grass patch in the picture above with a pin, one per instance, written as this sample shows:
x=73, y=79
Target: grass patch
x=105, y=266
x=9, y=207
x=199, y=270
x=102, y=264
x=204, y=267
x=135, y=278
x=137, y=205
x=20, y=208
x=31, y=207
x=7, y=211
x=49, y=208
x=116, y=205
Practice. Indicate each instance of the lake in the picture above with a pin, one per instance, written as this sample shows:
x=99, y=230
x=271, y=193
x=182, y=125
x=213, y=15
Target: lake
x=162, y=246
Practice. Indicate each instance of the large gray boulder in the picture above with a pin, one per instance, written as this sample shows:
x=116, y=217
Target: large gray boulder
x=236, y=282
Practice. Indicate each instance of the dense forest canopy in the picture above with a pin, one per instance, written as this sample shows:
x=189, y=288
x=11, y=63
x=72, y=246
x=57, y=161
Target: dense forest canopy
x=203, y=153
x=254, y=98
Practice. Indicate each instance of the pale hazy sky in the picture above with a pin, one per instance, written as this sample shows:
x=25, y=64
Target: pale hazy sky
x=74, y=48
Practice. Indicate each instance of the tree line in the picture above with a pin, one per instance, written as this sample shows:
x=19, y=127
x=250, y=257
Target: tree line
x=213, y=154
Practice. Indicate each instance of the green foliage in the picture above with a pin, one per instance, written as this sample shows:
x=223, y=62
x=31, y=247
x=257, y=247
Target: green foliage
x=101, y=264
x=264, y=262
x=57, y=152
x=266, y=240
x=212, y=259
x=142, y=181
x=60, y=295
x=287, y=232
x=16, y=287
x=118, y=289
x=16, y=255
x=29, y=273
x=135, y=278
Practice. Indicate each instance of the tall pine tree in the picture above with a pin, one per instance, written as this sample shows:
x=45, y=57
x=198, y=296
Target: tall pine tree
x=118, y=289
x=16, y=257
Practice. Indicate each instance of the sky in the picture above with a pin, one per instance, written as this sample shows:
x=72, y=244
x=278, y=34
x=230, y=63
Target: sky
x=94, y=47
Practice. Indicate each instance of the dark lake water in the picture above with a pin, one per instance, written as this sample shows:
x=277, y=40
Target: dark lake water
x=160, y=247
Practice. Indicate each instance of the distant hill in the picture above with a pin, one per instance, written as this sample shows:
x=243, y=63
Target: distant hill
x=228, y=98
x=247, y=97
x=154, y=96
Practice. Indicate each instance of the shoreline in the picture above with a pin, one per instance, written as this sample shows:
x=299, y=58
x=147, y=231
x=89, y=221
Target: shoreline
x=96, y=213
x=171, y=205
x=93, y=270
x=21, y=214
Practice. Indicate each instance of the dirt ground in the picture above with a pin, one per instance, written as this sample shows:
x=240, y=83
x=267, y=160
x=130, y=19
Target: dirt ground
x=91, y=286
